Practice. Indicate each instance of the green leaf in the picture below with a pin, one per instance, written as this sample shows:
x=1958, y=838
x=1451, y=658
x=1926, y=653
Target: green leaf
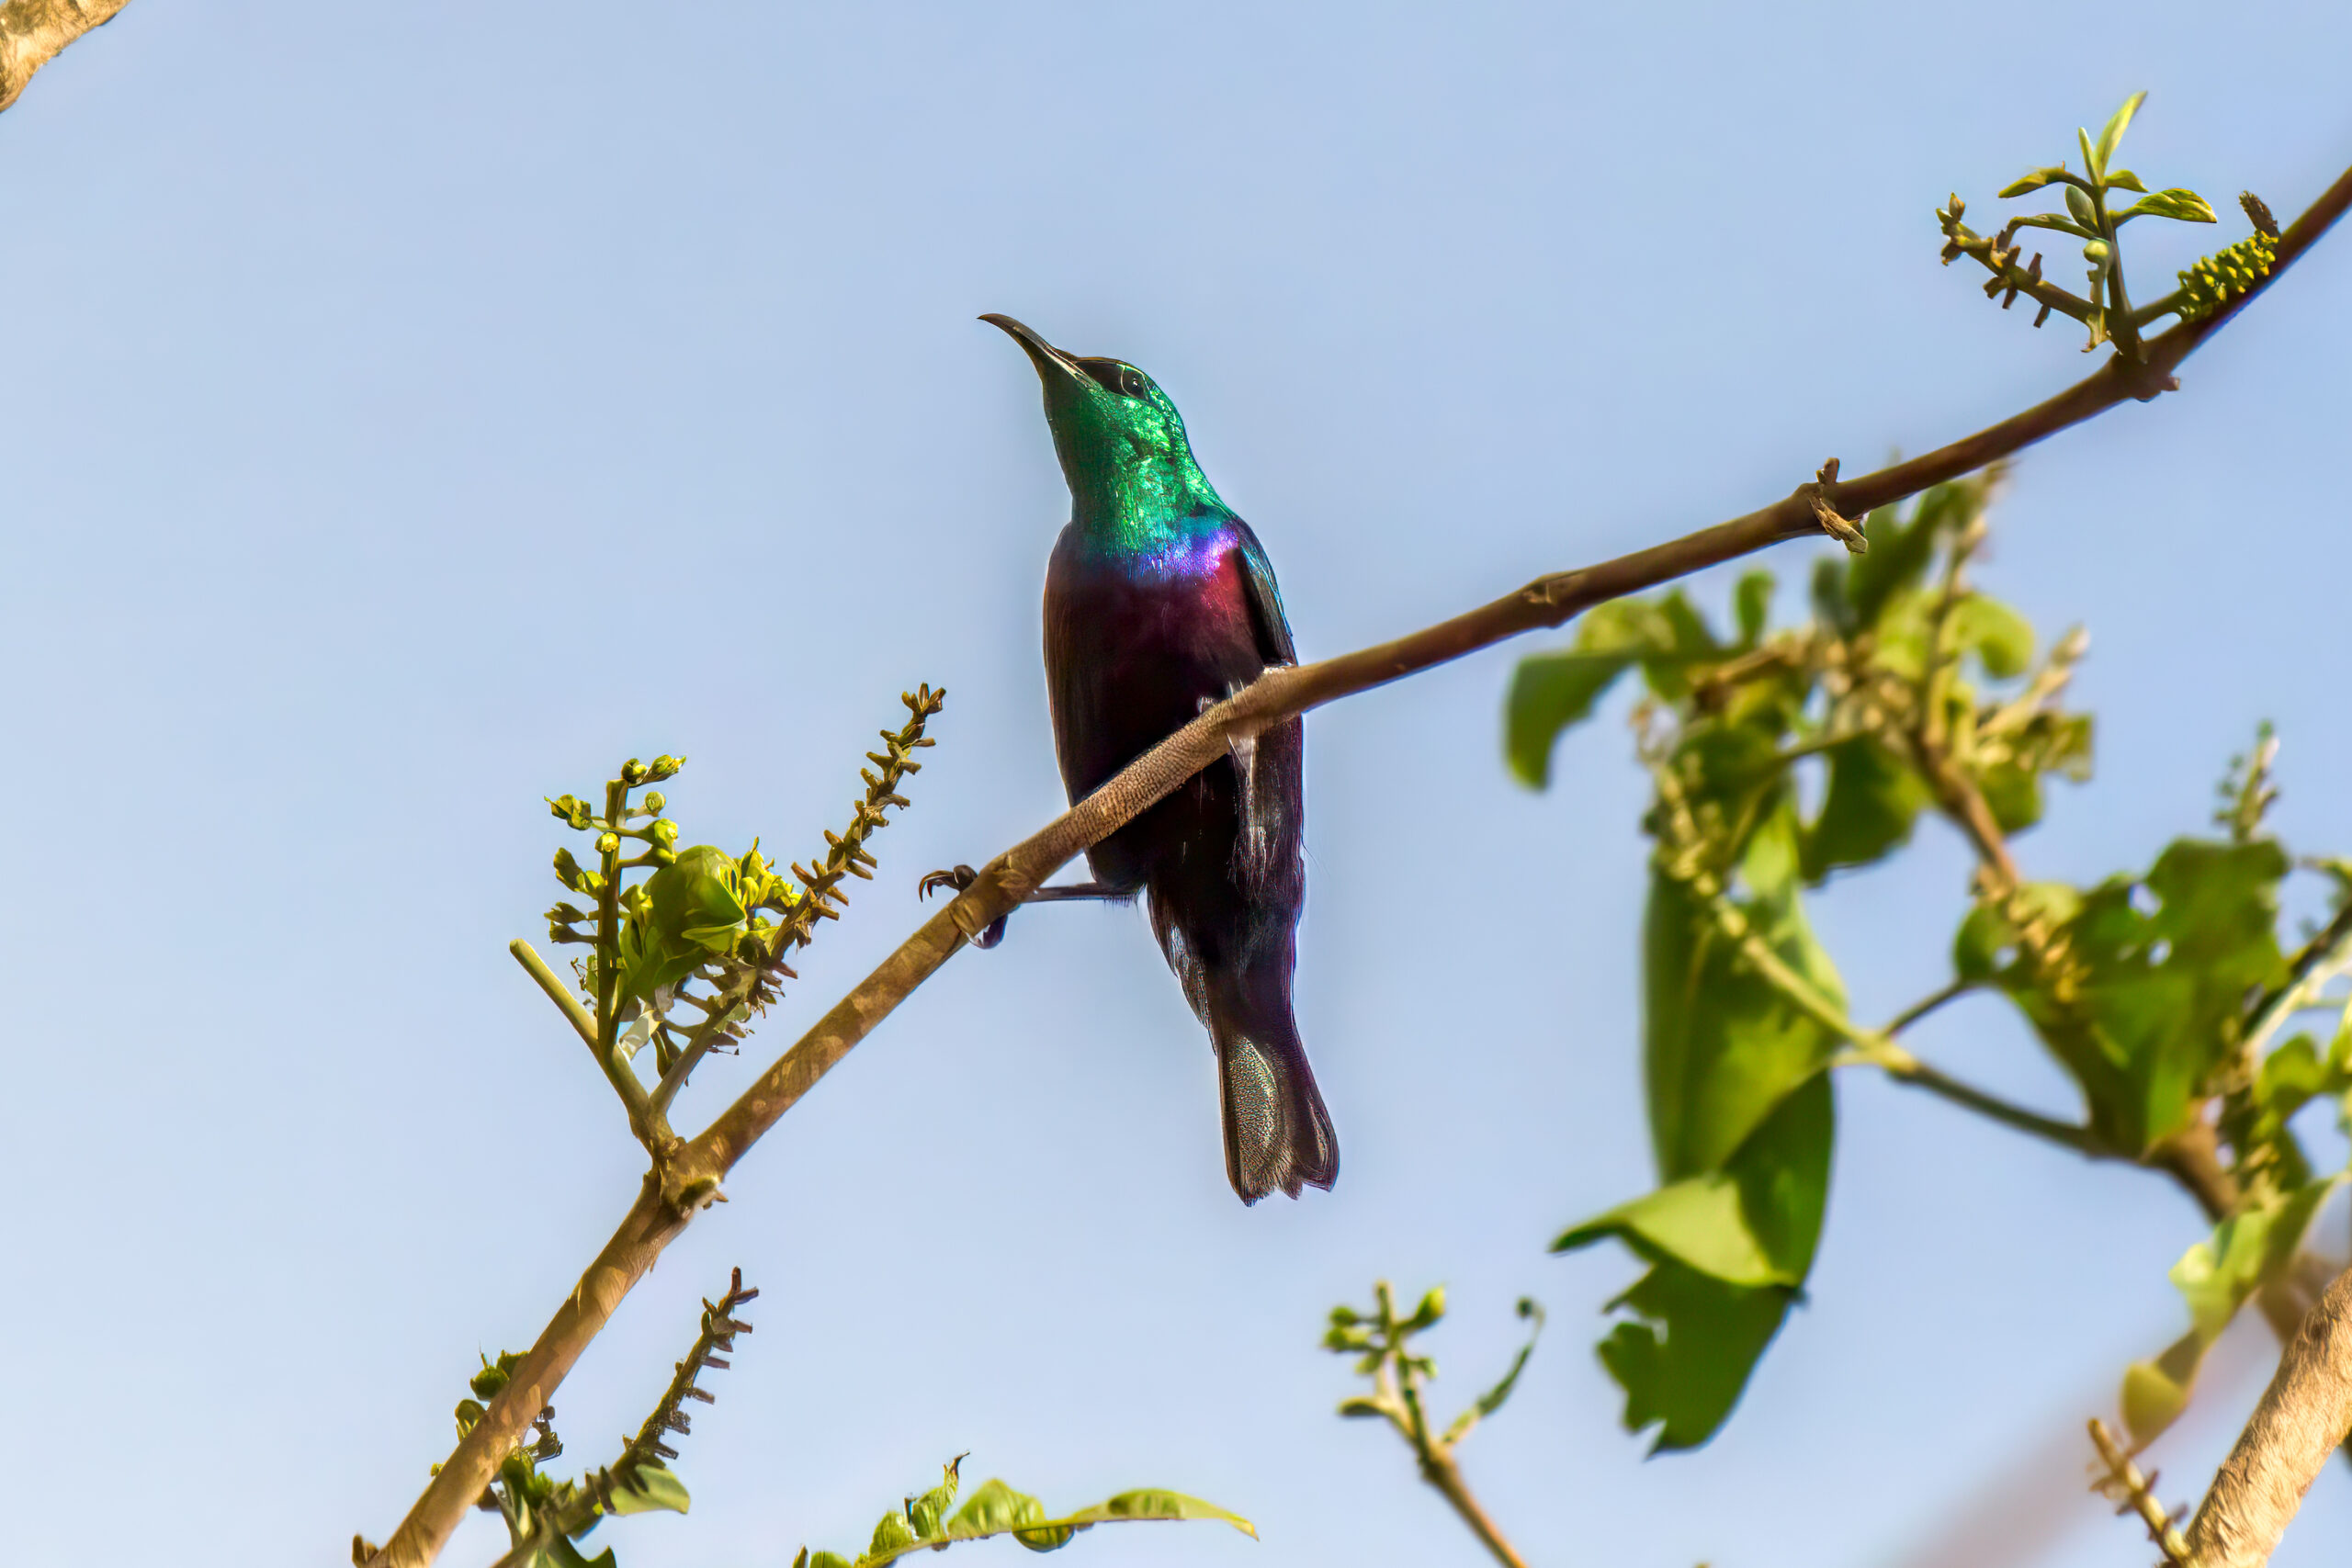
x=695, y=913
x=2216, y=1276
x=2150, y=1000
x=1698, y=1336
x=2000, y=637
x=1721, y=1047
x=1151, y=1503
x=892, y=1534
x=1550, y=693
x=1903, y=547
x=2156, y=1392
x=2185, y=206
x=1986, y=944
x=2032, y=182
x=2052, y=222
x=2112, y=136
x=1697, y=1221
x=1752, y=606
x=561, y=1553
x=1874, y=797
x=648, y=1488
x=1686, y=1359
x=995, y=1508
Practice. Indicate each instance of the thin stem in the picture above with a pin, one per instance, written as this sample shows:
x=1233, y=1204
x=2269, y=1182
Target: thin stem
x=1924, y=1005
x=1278, y=695
x=1872, y=1048
x=557, y=992
x=1904, y=1068
x=644, y=1119
x=1437, y=1467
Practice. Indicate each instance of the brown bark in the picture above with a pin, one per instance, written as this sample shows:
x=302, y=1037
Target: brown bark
x=2305, y=1414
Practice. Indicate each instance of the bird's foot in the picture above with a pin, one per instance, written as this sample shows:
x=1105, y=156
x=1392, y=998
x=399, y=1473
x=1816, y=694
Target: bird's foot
x=956, y=879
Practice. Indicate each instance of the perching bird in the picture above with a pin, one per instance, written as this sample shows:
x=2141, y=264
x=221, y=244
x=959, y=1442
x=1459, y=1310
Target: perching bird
x=1160, y=602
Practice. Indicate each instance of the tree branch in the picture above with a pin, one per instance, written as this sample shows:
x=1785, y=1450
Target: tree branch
x=2305, y=1413
x=32, y=31
x=1278, y=695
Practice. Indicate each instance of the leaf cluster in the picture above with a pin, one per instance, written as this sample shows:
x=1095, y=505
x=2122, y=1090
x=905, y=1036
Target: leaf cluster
x=931, y=1521
x=1783, y=759
x=2093, y=213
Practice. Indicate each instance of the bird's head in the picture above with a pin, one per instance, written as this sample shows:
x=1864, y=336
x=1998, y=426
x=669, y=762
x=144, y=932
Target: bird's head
x=1121, y=441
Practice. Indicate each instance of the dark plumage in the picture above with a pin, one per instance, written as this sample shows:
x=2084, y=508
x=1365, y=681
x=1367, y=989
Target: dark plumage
x=1158, y=601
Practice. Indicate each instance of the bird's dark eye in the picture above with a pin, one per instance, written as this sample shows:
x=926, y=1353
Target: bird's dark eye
x=1117, y=376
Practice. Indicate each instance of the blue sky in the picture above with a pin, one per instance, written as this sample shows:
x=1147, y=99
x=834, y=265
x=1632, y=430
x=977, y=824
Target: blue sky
x=367, y=366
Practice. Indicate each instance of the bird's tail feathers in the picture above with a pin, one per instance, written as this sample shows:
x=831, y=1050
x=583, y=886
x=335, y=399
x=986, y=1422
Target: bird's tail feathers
x=1277, y=1134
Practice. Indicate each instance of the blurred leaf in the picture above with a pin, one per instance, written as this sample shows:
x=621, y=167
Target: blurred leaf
x=561, y=1553
x=1752, y=606
x=2217, y=1275
x=2186, y=206
x=650, y=1487
x=1494, y=1398
x=1874, y=798
x=1903, y=547
x=1685, y=1361
x=1697, y=1221
x=1986, y=943
x=2147, y=1004
x=2124, y=179
x=2000, y=637
x=1550, y=693
x=1721, y=1047
x=2156, y=1392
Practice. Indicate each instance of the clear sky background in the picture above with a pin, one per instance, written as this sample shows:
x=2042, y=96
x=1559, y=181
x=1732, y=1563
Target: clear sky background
x=412, y=410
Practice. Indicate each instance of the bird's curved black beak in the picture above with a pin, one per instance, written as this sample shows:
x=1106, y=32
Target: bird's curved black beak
x=1042, y=355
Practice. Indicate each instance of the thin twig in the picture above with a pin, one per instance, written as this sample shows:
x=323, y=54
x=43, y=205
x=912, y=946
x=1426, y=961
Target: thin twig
x=2130, y=1492
x=1924, y=1005
x=1278, y=695
x=649, y=1447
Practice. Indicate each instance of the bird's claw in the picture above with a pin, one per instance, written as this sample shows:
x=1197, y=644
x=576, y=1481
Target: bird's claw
x=958, y=878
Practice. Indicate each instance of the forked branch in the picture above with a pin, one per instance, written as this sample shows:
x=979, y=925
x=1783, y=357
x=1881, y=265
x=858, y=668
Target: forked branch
x=1276, y=695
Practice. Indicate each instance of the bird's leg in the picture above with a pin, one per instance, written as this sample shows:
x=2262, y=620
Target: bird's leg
x=960, y=877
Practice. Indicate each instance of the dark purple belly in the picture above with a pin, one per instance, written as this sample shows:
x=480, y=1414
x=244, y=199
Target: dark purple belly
x=1132, y=656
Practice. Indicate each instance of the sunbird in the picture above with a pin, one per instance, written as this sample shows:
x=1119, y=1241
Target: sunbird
x=1160, y=602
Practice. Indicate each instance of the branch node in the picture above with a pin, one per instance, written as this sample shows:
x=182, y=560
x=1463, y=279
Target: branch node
x=1816, y=494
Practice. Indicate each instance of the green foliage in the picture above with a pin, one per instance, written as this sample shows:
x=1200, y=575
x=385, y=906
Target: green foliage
x=924, y=1523
x=687, y=943
x=2216, y=1277
x=1911, y=693
x=2105, y=308
x=2142, y=1007
x=1551, y=691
